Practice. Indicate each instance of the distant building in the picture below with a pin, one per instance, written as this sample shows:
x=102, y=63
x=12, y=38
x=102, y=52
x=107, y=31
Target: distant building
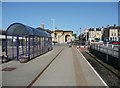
x=62, y=36
x=59, y=36
x=111, y=33
x=42, y=28
x=95, y=34
x=2, y=38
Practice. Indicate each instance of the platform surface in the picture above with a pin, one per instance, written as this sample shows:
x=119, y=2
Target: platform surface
x=69, y=68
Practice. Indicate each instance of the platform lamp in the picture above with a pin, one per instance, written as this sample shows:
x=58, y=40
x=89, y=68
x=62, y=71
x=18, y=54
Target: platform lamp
x=86, y=31
x=80, y=36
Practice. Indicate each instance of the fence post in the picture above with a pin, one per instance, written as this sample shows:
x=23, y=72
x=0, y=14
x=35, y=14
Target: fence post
x=33, y=46
x=29, y=47
x=6, y=46
x=107, y=54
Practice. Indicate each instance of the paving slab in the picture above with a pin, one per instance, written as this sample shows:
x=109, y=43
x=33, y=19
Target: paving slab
x=26, y=72
x=69, y=68
x=91, y=76
x=60, y=72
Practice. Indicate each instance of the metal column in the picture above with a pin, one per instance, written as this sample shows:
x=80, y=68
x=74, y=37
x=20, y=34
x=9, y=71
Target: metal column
x=17, y=45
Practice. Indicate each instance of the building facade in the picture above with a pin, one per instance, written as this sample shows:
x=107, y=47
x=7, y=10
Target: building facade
x=111, y=33
x=95, y=34
x=61, y=36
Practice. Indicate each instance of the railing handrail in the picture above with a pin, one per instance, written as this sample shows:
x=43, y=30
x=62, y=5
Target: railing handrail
x=107, y=49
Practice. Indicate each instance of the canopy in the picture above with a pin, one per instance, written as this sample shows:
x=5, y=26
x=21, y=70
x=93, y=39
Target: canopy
x=18, y=29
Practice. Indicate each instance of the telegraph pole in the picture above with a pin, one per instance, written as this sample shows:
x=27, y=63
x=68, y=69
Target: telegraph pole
x=53, y=23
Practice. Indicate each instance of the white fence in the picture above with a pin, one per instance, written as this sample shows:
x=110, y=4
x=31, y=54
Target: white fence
x=112, y=50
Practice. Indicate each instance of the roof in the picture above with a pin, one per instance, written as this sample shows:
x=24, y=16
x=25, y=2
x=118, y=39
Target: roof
x=18, y=29
x=94, y=29
x=114, y=27
x=2, y=32
x=47, y=30
x=62, y=31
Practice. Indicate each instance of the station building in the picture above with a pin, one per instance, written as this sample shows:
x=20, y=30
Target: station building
x=58, y=35
x=62, y=36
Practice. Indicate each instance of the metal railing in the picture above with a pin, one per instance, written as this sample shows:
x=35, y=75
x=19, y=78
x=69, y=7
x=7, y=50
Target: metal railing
x=111, y=50
x=107, y=53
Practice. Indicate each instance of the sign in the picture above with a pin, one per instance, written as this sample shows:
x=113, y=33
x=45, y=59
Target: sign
x=86, y=30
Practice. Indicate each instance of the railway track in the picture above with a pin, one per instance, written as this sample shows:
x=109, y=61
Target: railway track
x=116, y=73
x=110, y=75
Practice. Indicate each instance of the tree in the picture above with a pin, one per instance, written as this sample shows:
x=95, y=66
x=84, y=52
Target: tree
x=74, y=35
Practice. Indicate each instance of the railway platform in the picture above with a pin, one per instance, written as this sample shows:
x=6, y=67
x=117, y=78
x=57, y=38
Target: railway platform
x=63, y=66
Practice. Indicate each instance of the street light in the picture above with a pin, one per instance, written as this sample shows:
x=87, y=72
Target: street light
x=86, y=33
x=86, y=30
x=80, y=36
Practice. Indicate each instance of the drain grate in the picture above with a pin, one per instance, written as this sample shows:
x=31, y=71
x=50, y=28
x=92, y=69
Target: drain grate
x=8, y=69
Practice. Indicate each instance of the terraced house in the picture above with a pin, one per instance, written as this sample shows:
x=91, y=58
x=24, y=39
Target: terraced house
x=95, y=34
x=111, y=33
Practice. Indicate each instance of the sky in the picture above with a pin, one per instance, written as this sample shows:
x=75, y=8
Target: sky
x=119, y=13
x=67, y=15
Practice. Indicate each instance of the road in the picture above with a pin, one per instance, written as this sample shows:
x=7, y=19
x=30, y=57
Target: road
x=63, y=66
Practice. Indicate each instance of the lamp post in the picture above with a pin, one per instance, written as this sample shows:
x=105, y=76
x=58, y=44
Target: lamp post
x=86, y=34
x=76, y=33
x=80, y=36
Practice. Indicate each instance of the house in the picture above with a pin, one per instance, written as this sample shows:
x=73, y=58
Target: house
x=111, y=33
x=95, y=34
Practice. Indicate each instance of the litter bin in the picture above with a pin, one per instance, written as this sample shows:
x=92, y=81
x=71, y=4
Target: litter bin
x=23, y=59
x=70, y=45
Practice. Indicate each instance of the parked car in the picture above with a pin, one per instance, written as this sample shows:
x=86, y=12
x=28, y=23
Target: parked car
x=116, y=43
x=111, y=42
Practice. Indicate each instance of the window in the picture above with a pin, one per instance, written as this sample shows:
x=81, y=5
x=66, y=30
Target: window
x=111, y=34
x=111, y=39
x=55, y=35
x=115, y=38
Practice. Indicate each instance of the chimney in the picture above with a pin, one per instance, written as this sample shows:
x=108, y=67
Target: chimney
x=114, y=25
x=42, y=25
